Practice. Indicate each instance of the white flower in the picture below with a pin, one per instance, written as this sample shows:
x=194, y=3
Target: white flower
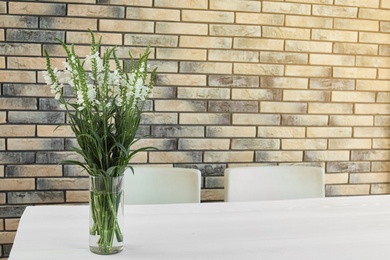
x=47, y=77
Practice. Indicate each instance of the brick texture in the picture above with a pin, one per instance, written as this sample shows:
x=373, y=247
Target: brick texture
x=302, y=82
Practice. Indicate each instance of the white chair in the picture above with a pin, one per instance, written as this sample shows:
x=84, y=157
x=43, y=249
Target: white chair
x=162, y=185
x=273, y=183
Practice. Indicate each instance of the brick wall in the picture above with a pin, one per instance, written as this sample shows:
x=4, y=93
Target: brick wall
x=239, y=83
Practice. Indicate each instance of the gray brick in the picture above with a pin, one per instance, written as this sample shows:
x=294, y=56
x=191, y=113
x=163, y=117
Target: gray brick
x=36, y=117
x=62, y=183
x=23, y=49
x=348, y=167
x=233, y=81
x=255, y=144
x=56, y=157
x=214, y=182
x=152, y=40
x=233, y=106
x=17, y=157
x=178, y=131
x=206, y=169
x=11, y=211
x=49, y=104
x=26, y=90
x=74, y=171
x=34, y=35
x=11, y=21
x=33, y=197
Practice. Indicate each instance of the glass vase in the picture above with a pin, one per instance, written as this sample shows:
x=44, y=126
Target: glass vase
x=106, y=214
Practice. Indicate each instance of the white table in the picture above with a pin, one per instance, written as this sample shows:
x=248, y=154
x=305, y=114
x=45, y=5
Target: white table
x=331, y=228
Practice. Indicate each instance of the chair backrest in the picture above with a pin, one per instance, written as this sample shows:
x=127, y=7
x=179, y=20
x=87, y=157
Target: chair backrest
x=274, y=183
x=162, y=185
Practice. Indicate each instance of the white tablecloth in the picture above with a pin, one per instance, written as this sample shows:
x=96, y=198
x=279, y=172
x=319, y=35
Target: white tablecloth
x=330, y=228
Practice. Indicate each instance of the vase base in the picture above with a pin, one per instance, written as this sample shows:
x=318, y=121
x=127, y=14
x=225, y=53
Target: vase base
x=109, y=251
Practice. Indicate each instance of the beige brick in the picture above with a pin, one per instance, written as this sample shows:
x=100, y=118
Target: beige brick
x=348, y=96
x=258, y=44
x=3, y=7
x=255, y=119
x=205, y=42
x=127, y=2
x=17, y=184
x=334, y=35
x=306, y=95
x=2, y=144
x=332, y=84
x=236, y=5
x=203, y=93
x=230, y=131
x=343, y=144
x=58, y=50
x=281, y=131
x=375, y=14
x=34, y=144
x=85, y=38
x=360, y=3
x=355, y=48
x=204, y=144
x=231, y=55
x=286, y=33
x=258, y=69
x=228, y=156
x=153, y=40
x=369, y=177
x=2, y=62
x=373, y=85
x=313, y=1
x=178, y=131
x=326, y=156
x=181, y=80
x=371, y=132
x=207, y=16
x=255, y=144
x=372, y=109
x=36, y=8
x=100, y=11
x=384, y=74
x=2, y=35
x=375, y=38
x=304, y=120
x=180, y=105
x=286, y=8
x=331, y=59
x=336, y=178
x=181, y=54
x=7, y=237
x=3, y=116
x=345, y=120
x=335, y=11
x=206, y=67
x=385, y=4
x=181, y=28
x=17, y=76
x=9, y=130
x=33, y=63
x=282, y=107
x=372, y=61
x=355, y=73
x=329, y=132
x=330, y=108
x=11, y=224
x=308, y=71
x=279, y=156
x=154, y=14
x=353, y=24
x=259, y=18
x=284, y=82
x=256, y=94
x=54, y=131
x=308, y=46
x=385, y=26
x=204, y=118
x=304, y=144
x=212, y=194
x=68, y=23
x=175, y=157
x=347, y=190
x=235, y=30
x=77, y=196
x=126, y=26
x=283, y=57
x=189, y=4
x=307, y=21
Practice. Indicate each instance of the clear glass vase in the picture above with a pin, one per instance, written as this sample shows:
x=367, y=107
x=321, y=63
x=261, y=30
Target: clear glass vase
x=106, y=214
